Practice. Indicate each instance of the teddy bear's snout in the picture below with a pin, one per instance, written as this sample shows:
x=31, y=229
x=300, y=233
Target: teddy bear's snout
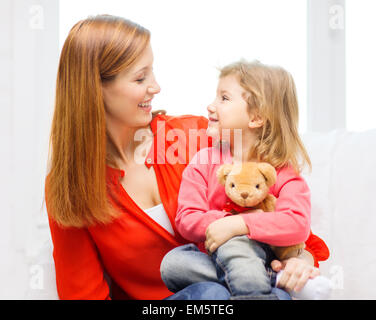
x=244, y=195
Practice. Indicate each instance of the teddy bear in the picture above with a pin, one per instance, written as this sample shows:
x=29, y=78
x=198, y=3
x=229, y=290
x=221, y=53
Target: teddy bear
x=247, y=187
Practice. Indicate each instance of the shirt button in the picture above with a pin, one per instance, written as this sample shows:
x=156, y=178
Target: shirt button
x=148, y=160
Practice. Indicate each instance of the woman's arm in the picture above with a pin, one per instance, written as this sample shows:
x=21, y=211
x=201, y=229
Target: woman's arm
x=296, y=271
x=79, y=273
x=304, y=267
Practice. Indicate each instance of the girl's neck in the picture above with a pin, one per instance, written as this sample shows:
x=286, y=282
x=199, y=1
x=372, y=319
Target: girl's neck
x=241, y=146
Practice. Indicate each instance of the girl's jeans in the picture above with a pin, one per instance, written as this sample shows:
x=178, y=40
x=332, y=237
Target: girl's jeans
x=239, y=264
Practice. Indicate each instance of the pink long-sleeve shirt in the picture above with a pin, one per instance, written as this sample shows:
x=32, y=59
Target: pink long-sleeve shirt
x=202, y=198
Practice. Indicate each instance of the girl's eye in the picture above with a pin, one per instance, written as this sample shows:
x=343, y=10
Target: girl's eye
x=257, y=186
x=232, y=185
x=224, y=98
x=140, y=80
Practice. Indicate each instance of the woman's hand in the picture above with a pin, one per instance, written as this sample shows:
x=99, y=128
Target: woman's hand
x=222, y=230
x=296, y=271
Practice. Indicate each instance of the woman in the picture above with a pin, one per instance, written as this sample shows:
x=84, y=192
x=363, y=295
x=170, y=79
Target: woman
x=97, y=190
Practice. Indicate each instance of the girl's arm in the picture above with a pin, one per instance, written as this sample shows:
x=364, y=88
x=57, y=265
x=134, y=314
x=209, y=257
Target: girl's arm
x=222, y=230
x=193, y=214
x=290, y=223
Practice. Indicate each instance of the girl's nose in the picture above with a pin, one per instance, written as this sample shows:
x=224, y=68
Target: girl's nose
x=211, y=108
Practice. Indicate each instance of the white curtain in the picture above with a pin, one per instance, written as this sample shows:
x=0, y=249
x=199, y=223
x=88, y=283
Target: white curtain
x=28, y=62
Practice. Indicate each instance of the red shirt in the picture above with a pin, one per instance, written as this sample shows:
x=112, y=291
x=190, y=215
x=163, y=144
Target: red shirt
x=131, y=248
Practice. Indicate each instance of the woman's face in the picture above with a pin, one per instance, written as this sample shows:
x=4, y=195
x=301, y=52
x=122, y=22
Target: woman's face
x=128, y=97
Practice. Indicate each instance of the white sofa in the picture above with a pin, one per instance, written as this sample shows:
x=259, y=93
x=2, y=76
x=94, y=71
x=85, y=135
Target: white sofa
x=343, y=208
x=343, y=214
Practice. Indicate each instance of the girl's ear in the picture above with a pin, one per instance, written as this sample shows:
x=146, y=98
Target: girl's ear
x=255, y=121
x=223, y=172
x=268, y=172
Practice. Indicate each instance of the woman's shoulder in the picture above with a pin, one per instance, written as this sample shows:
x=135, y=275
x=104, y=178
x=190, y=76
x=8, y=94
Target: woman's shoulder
x=184, y=122
x=188, y=130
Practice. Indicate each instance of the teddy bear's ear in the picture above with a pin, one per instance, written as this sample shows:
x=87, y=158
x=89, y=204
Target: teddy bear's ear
x=268, y=172
x=223, y=172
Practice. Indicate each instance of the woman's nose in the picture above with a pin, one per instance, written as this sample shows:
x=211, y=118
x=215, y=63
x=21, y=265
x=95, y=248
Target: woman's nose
x=155, y=88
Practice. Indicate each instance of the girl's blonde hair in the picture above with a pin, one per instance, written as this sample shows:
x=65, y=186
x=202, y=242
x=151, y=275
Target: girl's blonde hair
x=271, y=94
x=96, y=50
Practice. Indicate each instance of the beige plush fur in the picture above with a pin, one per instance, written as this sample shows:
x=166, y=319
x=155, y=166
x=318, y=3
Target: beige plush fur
x=247, y=185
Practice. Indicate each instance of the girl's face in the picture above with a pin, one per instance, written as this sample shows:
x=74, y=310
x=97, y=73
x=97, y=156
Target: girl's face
x=229, y=110
x=128, y=97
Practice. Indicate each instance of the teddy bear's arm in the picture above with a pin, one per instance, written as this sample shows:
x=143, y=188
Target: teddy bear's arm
x=268, y=204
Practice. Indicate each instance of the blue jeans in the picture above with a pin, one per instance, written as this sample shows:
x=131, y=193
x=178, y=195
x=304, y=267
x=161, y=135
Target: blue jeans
x=202, y=291
x=239, y=264
x=214, y=291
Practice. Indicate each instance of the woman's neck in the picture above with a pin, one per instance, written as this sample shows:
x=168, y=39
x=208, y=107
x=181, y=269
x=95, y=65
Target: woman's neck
x=126, y=144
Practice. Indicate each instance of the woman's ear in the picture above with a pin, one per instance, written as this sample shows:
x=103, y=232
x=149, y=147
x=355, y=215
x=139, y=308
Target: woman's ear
x=268, y=172
x=223, y=172
x=255, y=121
x=105, y=94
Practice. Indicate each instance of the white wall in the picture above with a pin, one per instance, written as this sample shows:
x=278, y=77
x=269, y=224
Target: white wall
x=6, y=129
x=326, y=65
x=28, y=61
x=361, y=64
x=190, y=39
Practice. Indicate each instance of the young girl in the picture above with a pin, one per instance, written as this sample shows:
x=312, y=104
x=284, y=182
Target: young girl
x=260, y=103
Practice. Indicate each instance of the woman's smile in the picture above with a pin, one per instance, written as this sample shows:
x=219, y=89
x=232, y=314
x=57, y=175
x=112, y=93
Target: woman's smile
x=146, y=106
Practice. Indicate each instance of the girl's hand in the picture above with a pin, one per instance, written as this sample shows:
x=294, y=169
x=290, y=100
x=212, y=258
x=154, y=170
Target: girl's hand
x=296, y=273
x=222, y=230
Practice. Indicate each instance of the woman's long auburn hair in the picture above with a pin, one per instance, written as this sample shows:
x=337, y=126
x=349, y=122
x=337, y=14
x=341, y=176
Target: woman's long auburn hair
x=96, y=50
x=271, y=94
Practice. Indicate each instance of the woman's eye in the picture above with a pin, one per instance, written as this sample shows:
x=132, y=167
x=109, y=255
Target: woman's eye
x=224, y=98
x=140, y=80
x=232, y=185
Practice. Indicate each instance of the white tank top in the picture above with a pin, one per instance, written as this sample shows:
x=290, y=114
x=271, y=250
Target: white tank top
x=159, y=215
